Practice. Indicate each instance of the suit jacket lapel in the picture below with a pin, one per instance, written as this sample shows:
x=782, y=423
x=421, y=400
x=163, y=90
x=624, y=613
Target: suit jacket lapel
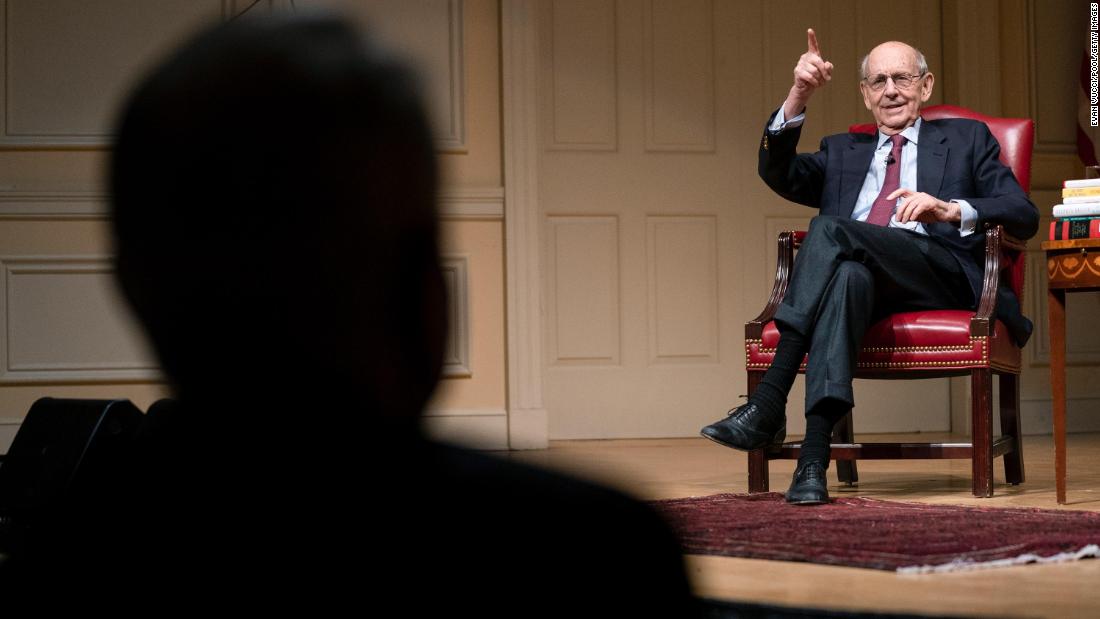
x=856, y=160
x=931, y=158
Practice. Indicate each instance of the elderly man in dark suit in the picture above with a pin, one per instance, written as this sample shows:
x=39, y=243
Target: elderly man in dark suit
x=900, y=228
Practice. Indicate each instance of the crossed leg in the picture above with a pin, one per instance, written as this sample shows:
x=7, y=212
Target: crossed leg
x=846, y=275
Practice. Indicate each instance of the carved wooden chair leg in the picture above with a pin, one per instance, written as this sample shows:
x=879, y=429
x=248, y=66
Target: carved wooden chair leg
x=1010, y=426
x=758, y=471
x=981, y=423
x=845, y=469
x=758, y=459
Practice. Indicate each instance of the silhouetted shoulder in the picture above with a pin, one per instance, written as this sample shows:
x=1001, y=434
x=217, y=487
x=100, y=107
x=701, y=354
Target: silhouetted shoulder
x=575, y=540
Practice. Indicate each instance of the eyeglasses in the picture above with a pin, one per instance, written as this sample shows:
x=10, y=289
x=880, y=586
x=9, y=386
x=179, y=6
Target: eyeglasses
x=902, y=81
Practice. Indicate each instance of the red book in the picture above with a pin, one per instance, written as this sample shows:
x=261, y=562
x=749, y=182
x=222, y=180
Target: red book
x=1080, y=228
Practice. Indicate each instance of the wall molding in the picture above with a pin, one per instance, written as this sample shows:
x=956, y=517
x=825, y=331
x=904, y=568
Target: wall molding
x=1042, y=145
x=98, y=139
x=453, y=137
x=582, y=348
x=1035, y=416
x=472, y=203
x=528, y=426
x=455, y=203
x=974, y=77
x=652, y=142
x=451, y=133
x=456, y=353
x=15, y=371
x=608, y=60
x=53, y=205
x=708, y=302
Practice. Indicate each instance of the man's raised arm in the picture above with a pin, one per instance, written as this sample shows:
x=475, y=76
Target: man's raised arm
x=811, y=72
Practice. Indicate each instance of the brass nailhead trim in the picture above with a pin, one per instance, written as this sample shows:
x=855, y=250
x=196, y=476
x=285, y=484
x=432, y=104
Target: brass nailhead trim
x=896, y=364
x=922, y=348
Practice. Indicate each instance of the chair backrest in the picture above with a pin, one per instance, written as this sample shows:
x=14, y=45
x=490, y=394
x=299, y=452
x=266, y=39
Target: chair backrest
x=1016, y=136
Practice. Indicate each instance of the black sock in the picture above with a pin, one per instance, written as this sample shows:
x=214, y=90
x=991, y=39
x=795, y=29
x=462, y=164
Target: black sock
x=771, y=393
x=819, y=431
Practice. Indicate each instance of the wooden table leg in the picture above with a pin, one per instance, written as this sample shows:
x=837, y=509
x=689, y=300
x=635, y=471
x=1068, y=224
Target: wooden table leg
x=1056, y=310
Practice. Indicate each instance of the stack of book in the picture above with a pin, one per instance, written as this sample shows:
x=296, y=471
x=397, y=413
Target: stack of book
x=1078, y=216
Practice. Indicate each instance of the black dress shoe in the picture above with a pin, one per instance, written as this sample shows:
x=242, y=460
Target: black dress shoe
x=748, y=427
x=808, y=485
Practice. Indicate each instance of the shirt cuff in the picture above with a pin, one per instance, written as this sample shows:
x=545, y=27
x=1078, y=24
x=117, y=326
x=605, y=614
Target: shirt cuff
x=780, y=124
x=969, y=222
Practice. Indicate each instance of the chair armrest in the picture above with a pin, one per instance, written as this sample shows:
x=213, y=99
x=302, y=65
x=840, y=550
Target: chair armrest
x=788, y=242
x=982, y=322
x=1010, y=242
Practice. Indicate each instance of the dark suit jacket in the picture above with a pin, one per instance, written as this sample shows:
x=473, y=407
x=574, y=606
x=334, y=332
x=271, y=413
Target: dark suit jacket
x=957, y=159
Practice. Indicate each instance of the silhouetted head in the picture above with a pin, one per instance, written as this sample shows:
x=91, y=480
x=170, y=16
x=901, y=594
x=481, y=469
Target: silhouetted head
x=273, y=186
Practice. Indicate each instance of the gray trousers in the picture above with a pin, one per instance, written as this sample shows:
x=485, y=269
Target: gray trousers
x=847, y=275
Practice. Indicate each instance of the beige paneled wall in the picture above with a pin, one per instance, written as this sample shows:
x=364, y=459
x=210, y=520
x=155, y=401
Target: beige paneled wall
x=38, y=240
x=649, y=238
x=67, y=63
x=479, y=164
x=65, y=67
x=472, y=408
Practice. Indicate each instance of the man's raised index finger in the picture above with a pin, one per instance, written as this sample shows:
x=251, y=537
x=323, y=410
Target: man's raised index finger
x=811, y=41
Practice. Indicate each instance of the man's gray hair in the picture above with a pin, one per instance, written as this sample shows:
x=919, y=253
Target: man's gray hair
x=922, y=64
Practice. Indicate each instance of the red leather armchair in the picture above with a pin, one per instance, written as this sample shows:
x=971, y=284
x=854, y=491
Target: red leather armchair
x=926, y=344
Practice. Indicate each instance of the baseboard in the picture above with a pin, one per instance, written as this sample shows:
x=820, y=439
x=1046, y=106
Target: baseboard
x=528, y=428
x=1036, y=416
x=485, y=429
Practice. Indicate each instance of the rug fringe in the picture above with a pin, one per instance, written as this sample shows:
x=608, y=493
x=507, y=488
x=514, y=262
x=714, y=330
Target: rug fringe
x=962, y=565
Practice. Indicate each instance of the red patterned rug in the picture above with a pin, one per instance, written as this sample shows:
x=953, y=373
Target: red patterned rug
x=885, y=535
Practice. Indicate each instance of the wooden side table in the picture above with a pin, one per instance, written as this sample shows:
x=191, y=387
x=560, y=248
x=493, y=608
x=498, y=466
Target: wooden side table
x=1072, y=266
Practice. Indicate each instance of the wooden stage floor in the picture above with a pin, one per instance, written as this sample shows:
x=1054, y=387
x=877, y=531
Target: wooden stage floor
x=671, y=468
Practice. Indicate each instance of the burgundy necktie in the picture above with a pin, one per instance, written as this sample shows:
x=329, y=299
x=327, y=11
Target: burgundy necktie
x=882, y=209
